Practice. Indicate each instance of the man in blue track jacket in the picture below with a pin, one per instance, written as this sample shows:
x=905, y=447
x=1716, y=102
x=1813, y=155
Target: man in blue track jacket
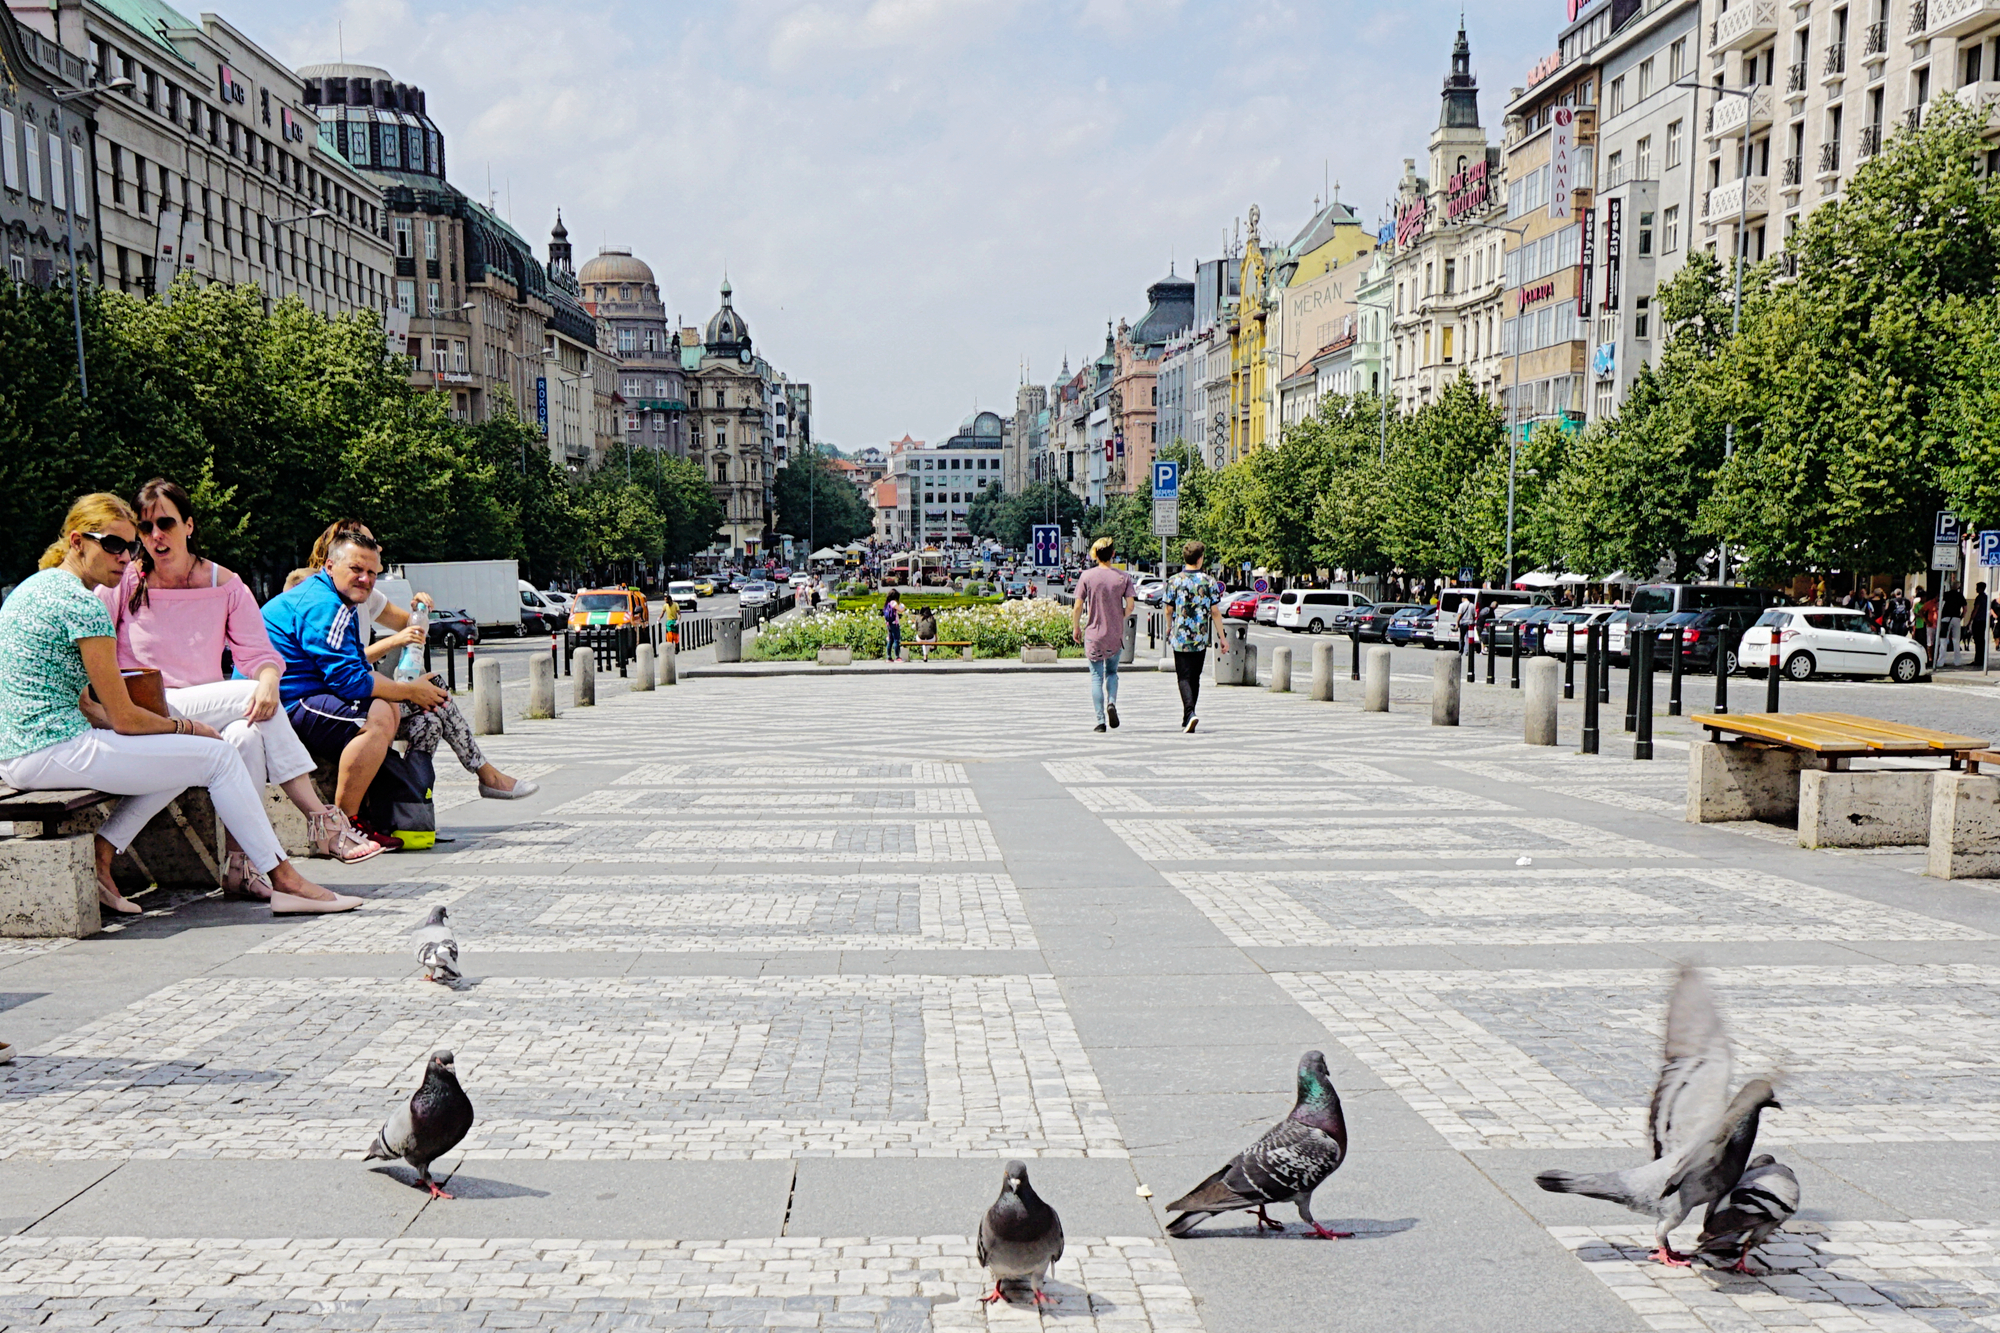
x=339, y=706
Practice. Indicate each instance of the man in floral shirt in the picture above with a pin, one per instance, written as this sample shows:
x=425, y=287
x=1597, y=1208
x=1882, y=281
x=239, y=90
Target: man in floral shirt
x=1194, y=603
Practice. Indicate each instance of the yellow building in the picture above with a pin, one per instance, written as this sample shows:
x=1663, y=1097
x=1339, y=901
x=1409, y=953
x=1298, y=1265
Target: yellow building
x=1249, y=377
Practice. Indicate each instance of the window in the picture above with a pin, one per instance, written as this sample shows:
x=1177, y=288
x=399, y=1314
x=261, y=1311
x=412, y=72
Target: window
x=431, y=240
x=1642, y=159
x=1642, y=316
x=1444, y=344
x=118, y=176
x=1674, y=143
x=1614, y=168
x=32, y=139
x=628, y=340
x=10, y=155
x=1677, y=59
x=436, y=295
x=1645, y=233
x=1645, y=79
x=401, y=227
x=1670, y=230
x=406, y=297
x=1615, y=97
x=1450, y=276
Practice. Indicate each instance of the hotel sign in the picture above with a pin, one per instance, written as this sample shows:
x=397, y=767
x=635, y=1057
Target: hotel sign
x=1410, y=223
x=1467, y=192
x=1541, y=291
x=1562, y=168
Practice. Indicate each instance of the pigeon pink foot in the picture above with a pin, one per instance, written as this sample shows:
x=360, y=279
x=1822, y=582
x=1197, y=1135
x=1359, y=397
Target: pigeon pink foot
x=1265, y=1223
x=1043, y=1298
x=992, y=1296
x=1324, y=1234
x=437, y=1191
x=1663, y=1255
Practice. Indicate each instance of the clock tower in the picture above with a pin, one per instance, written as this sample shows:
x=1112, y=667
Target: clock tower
x=736, y=421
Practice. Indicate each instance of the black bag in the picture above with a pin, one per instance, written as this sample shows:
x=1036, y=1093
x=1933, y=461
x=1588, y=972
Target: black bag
x=399, y=800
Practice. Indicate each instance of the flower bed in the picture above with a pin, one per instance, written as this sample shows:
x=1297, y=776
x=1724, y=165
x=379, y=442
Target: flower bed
x=995, y=629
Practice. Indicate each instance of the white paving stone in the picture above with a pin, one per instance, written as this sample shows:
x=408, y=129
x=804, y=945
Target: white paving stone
x=1225, y=837
x=1341, y=799
x=787, y=801
x=680, y=914
x=923, y=772
x=598, y=1068
x=788, y=840
x=1541, y=1058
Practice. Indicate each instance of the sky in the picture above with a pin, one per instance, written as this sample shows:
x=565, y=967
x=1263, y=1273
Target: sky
x=913, y=199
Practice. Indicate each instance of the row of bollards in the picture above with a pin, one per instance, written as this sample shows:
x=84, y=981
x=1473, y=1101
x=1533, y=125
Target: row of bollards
x=648, y=669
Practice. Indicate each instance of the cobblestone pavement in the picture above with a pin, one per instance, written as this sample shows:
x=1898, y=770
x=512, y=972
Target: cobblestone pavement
x=772, y=976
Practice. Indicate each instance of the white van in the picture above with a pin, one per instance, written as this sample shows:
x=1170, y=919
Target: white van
x=1444, y=630
x=1314, y=609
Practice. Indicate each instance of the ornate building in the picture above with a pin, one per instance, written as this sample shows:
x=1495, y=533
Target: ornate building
x=732, y=425
x=1249, y=370
x=621, y=293
x=46, y=206
x=1135, y=392
x=585, y=420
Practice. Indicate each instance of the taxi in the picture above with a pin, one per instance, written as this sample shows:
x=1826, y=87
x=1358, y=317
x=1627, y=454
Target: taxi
x=608, y=606
x=704, y=587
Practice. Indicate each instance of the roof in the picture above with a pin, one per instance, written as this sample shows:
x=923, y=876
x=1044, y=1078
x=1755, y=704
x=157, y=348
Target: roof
x=152, y=18
x=1320, y=229
x=615, y=265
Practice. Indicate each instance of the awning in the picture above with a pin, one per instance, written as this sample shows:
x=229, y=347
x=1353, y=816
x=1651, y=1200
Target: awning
x=824, y=553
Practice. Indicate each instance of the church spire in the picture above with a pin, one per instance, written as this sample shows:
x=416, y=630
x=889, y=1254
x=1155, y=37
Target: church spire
x=1461, y=89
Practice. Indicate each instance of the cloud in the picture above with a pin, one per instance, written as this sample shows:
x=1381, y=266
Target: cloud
x=912, y=195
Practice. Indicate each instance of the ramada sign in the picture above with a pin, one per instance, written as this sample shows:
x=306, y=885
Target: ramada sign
x=1410, y=223
x=1541, y=291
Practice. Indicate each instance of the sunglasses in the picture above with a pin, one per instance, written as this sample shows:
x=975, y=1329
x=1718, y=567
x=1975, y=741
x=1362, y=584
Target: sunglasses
x=164, y=524
x=112, y=543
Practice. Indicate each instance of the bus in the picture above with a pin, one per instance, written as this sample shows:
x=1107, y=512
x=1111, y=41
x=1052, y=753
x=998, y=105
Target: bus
x=915, y=568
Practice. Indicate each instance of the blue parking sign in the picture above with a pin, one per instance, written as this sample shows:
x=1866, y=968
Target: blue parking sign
x=1166, y=481
x=1989, y=547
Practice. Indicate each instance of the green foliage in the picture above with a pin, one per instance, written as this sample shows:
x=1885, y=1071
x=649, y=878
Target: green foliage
x=1013, y=521
x=817, y=504
x=280, y=422
x=993, y=630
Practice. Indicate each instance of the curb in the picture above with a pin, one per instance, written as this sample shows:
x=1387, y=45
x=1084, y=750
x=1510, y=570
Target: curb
x=751, y=671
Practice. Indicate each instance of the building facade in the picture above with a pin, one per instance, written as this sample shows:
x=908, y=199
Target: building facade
x=936, y=482
x=585, y=422
x=212, y=159
x=48, y=202
x=622, y=295
x=732, y=425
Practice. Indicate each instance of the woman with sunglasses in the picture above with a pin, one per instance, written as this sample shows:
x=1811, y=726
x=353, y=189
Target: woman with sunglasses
x=176, y=611
x=58, y=649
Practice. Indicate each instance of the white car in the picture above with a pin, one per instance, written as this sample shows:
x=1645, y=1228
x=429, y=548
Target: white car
x=682, y=594
x=1313, y=610
x=1576, y=620
x=754, y=592
x=1832, y=641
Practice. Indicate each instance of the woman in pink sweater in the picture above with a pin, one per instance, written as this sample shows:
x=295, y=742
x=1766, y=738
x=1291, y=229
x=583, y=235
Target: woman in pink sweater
x=176, y=612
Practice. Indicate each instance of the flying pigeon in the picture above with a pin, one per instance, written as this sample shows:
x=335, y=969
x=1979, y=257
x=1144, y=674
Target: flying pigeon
x=429, y=1125
x=1700, y=1144
x=1286, y=1165
x=437, y=951
x=1763, y=1200
x=1020, y=1236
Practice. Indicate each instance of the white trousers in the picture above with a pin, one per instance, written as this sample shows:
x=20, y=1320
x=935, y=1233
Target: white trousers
x=161, y=766
x=270, y=750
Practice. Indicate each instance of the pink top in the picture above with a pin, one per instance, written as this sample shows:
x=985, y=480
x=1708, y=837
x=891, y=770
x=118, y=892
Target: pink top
x=1103, y=591
x=182, y=631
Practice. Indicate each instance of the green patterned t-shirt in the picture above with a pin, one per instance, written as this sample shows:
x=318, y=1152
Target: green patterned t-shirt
x=41, y=668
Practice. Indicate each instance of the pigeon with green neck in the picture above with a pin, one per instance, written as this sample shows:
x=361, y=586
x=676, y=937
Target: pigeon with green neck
x=1285, y=1166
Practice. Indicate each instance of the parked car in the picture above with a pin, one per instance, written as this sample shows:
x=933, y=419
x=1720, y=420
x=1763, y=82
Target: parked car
x=561, y=601
x=1014, y=590
x=1482, y=598
x=754, y=592
x=1243, y=605
x=704, y=587
x=1654, y=602
x=1616, y=627
x=451, y=629
x=1703, y=635
x=1521, y=623
x=533, y=623
x=683, y=595
x=1315, y=609
x=1267, y=610
x=1372, y=622
x=1830, y=640
x=1150, y=591
x=1409, y=625
x=1575, y=621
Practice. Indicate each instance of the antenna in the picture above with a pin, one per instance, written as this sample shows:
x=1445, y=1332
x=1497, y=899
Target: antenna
x=340, y=35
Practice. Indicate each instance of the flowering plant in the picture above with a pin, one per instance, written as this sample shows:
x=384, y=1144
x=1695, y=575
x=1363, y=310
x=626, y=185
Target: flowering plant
x=998, y=629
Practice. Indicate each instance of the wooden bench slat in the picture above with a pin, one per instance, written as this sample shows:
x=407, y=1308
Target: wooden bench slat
x=1945, y=740
x=46, y=806
x=1841, y=734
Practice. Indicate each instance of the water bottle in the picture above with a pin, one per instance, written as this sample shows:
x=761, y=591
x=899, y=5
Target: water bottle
x=411, y=664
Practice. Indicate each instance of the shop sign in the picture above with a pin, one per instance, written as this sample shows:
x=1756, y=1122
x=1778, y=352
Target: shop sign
x=1585, y=263
x=1412, y=220
x=1562, y=168
x=1467, y=192
x=1614, y=222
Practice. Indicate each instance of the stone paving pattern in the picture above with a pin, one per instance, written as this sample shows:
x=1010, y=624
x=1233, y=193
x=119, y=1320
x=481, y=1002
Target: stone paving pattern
x=760, y=991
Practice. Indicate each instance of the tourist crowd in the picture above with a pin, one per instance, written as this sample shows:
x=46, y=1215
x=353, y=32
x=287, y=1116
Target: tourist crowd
x=132, y=665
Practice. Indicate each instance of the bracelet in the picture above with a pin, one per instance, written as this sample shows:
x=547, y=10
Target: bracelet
x=181, y=727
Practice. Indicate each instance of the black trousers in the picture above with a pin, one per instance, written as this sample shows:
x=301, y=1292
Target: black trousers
x=1187, y=671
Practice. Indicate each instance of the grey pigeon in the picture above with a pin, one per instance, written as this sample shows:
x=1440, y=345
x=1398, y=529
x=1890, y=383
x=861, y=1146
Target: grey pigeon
x=427, y=1126
x=1700, y=1145
x=1763, y=1200
x=1020, y=1236
x=1285, y=1166
x=437, y=950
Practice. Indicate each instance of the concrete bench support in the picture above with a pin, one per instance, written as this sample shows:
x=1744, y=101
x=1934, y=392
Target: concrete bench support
x=1734, y=782
x=47, y=887
x=1444, y=692
x=1965, y=826
x=1869, y=809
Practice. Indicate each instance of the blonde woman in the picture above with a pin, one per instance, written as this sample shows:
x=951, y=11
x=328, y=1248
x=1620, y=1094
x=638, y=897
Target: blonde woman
x=56, y=642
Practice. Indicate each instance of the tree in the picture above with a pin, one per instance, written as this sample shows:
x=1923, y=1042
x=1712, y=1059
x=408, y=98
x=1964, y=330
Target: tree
x=1042, y=502
x=1434, y=455
x=818, y=504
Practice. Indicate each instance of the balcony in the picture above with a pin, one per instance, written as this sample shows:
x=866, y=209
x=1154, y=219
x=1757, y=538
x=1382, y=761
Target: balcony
x=1984, y=98
x=1836, y=61
x=1955, y=18
x=1795, y=171
x=1743, y=25
x=1747, y=196
x=1734, y=116
x=1829, y=159
x=1870, y=144
x=1877, y=41
x=1919, y=16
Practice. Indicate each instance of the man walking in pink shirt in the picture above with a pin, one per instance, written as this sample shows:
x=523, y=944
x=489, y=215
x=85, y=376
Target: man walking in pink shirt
x=1097, y=621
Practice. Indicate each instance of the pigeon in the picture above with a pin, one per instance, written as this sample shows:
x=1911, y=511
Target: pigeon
x=1763, y=1200
x=429, y=1125
x=1020, y=1236
x=1700, y=1144
x=1286, y=1165
x=437, y=951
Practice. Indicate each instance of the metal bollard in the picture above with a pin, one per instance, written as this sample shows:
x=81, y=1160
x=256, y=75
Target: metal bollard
x=1771, y=676
x=1538, y=718
x=1674, y=681
x=1604, y=668
x=1514, y=655
x=488, y=712
x=1322, y=677
x=667, y=665
x=451, y=667
x=1632, y=637
x=1375, y=696
x=1642, y=745
x=541, y=686
x=1569, y=661
x=1444, y=692
x=1281, y=670
x=1492, y=651
x=1468, y=648
x=583, y=666
x=1590, y=669
x=642, y=678
x=1721, y=673
x=1355, y=663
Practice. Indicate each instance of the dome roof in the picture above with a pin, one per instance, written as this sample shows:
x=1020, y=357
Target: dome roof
x=726, y=328
x=615, y=265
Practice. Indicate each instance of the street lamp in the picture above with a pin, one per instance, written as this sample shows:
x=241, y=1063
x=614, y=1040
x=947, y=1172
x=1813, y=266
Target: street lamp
x=62, y=98
x=303, y=217
x=1742, y=252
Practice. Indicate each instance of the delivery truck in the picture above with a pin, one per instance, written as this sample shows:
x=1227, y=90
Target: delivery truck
x=487, y=590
